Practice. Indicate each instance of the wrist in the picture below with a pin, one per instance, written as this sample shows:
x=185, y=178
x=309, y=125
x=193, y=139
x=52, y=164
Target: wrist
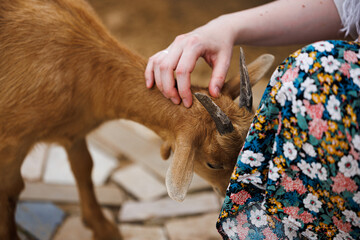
x=228, y=28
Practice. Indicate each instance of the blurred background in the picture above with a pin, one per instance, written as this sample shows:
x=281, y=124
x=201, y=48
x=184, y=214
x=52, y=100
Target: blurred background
x=150, y=26
x=129, y=172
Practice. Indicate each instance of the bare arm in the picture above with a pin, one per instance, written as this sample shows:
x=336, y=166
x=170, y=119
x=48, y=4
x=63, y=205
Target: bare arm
x=286, y=22
x=277, y=23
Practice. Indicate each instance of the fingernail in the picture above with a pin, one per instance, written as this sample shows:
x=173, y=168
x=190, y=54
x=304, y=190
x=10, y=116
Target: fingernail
x=186, y=102
x=148, y=83
x=175, y=100
x=217, y=91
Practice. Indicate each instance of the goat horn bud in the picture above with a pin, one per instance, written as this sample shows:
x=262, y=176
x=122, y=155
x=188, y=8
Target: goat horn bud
x=222, y=122
x=246, y=97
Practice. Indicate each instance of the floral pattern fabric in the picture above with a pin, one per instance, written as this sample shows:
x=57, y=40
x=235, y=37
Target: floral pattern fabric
x=298, y=174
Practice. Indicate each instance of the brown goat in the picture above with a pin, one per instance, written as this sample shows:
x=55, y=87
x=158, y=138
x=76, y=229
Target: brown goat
x=62, y=75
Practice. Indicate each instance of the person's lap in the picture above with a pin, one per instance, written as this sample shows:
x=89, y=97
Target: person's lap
x=298, y=173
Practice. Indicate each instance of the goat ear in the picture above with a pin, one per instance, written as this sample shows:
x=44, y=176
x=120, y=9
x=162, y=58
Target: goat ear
x=256, y=69
x=259, y=67
x=181, y=170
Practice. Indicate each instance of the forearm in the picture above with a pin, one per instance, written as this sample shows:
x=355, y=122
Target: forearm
x=285, y=22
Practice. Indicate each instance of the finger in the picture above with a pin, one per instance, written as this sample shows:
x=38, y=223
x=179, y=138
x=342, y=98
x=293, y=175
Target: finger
x=149, y=73
x=153, y=62
x=220, y=69
x=183, y=70
x=167, y=68
x=157, y=74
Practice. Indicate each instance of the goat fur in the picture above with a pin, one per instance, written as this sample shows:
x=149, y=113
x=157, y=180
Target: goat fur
x=62, y=75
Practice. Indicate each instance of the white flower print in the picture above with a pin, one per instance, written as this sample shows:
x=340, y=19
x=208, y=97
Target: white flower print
x=281, y=97
x=349, y=215
x=251, y=158
x=290, y=232
x=290, y=150
x=312, y=203
x=229, y=228
x=304, y=61
x=333, y=107
x=343, y=236
x=291, y=226
x=275, y=77
x=310, y=235
x=274, y=147
x=298, y=107
x=309, y=87
x=309, y=149
x=286, y=92
x=357, y=197
x=352, y=217
x=323, y=46
x=247, y=178
x=330, y=64
x=258, y=217
x=291, y=221
x=273, y=172
x=355, y=75
x=307, y=169
x=319, y=170
x=356, y=142
x=349, y=166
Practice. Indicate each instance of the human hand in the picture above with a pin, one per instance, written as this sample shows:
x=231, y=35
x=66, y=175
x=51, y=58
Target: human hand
x=213, y=42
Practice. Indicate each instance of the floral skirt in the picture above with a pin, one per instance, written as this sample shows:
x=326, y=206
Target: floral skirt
x=298, y=174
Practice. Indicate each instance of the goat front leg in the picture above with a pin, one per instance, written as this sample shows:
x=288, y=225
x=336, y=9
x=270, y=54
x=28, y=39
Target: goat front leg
x=11, y=184
x=81, y=165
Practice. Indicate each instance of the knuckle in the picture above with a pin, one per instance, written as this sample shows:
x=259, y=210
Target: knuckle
x=157, y=61
x=152, y=59
x=180, y=38
x=167, y=93
x=159, y=85
x=163, y=66
x=194, y=40
x=167, y=89
x=180, y=71
x=184, y=92
x=219, y=78
x=172, y=92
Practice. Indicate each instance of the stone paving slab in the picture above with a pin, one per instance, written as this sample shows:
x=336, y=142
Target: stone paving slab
x=117, y=138
x=40, y=220
x=33, y=165
x=165, y=208
x=140, y=183
x=141, y=232
x=107, y=195
x=194, y=228
x=123, y=140
x=74, y=228
x=58, y=170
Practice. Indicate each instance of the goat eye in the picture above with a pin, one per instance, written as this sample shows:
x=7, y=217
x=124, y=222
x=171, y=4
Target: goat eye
x=214, y=166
